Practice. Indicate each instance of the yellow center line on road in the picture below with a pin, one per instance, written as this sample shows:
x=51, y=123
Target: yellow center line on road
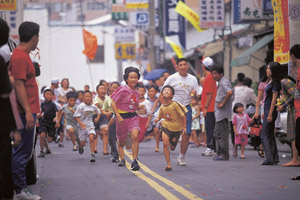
x=160, y=189
x=178, y=188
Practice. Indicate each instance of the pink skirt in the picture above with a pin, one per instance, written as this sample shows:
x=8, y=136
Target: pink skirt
x=126, y=127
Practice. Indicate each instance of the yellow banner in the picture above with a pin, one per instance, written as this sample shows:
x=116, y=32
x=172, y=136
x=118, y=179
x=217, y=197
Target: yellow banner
x=8, y=5
x=175, y=47
x=189, y=14
x=137, y=5
x=281, y=31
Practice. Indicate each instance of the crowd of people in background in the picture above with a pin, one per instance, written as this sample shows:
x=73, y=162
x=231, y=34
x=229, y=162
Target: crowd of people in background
x=171, y=108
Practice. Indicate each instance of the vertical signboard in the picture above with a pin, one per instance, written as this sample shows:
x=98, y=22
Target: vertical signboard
x=212, y=14
x=281, y=31
x=174, y=23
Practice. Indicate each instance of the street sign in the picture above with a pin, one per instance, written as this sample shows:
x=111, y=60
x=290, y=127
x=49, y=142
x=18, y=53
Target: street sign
x=124, y=34
x=119, y=12
x=137, y=4
x=124, y=51
x=140, y=20
x=212, y=14
x=8, y=5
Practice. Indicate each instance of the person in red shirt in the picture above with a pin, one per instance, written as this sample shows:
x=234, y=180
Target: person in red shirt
x=208, y=104
x=295, y=58
x=23, y=71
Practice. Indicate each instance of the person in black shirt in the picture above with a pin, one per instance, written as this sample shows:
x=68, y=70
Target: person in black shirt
x=274, y=72
x=47, y=122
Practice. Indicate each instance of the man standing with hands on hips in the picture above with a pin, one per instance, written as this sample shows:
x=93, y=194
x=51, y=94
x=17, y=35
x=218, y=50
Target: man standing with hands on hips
x=184, y=85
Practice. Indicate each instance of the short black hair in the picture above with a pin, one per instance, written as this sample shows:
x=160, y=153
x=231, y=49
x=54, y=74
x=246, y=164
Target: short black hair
x=115, y=82
x=80, y=91
x=247, y=81
x=99, y=86
x=154, y=86
x=48, y=90
x=4, y=32
x=217, y=68
x=102, y=81
x=27, y=30
x=72, y=94
x=87, y=91
x=295, y=50
x=130, y=69
x=237, y=105
x=140, y=86
x=168, y=86
x=181, y=59
x=240, y=77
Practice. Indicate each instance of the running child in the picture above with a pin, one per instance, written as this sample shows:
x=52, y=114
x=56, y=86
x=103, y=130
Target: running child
x=195, y=121
x=71, y=124
x=153, y=90
x=101, y=125
x=80, y=97
x=174, y=122
x=112, y=138
x=84, y=116
x=125, y=102
x=47, y=122
x=240, y=123
x=143, y=112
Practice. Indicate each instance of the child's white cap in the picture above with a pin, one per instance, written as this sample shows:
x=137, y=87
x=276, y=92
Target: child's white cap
x=54, y=81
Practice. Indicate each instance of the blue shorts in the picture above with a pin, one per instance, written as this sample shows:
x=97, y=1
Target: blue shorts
x=189, y=120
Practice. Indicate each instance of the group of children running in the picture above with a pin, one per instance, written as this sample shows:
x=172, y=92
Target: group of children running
x=125, y=116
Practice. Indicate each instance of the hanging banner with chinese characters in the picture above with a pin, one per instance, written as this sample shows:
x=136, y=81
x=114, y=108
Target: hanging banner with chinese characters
x=174, y=23
x=212, y=14
x=281, y=31
x=189, y=14
x=253, y=10
x=176, y=48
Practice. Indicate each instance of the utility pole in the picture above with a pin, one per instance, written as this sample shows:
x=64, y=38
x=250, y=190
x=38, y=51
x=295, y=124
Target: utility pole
x=294, y=24
x=151, y=34
x=294, y=30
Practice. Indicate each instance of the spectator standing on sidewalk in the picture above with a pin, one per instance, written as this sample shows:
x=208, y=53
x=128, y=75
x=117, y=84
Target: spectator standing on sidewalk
x=208, y=105
x=223, y=105
x=23, y=71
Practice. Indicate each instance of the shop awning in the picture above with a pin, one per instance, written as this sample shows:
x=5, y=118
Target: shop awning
x=244, y=58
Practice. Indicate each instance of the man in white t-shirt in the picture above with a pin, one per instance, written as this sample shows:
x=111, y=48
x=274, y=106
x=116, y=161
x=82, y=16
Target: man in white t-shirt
x=185, y=86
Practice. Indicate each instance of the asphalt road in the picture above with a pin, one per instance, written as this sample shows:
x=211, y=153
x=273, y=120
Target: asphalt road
x=65, y=175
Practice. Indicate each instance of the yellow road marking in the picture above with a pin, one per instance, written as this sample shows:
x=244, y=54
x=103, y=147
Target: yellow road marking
x=178, y=188
x=161, y=190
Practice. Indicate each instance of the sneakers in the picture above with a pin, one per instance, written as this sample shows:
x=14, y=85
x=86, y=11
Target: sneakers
x=93, y=157
x=25, y=194
x=208, y=152
x=81, y=150
x=181, y=161
x=61, y=145
x=135, y=166
x=41, y=155
x=122, y=163
x=128, y=142
x=75, y=148
x=114, y=159
x=48, y=152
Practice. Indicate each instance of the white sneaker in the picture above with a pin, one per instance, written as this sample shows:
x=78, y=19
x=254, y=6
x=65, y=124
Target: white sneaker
x=181, y=161
x=207, y=152
x=25, y=194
